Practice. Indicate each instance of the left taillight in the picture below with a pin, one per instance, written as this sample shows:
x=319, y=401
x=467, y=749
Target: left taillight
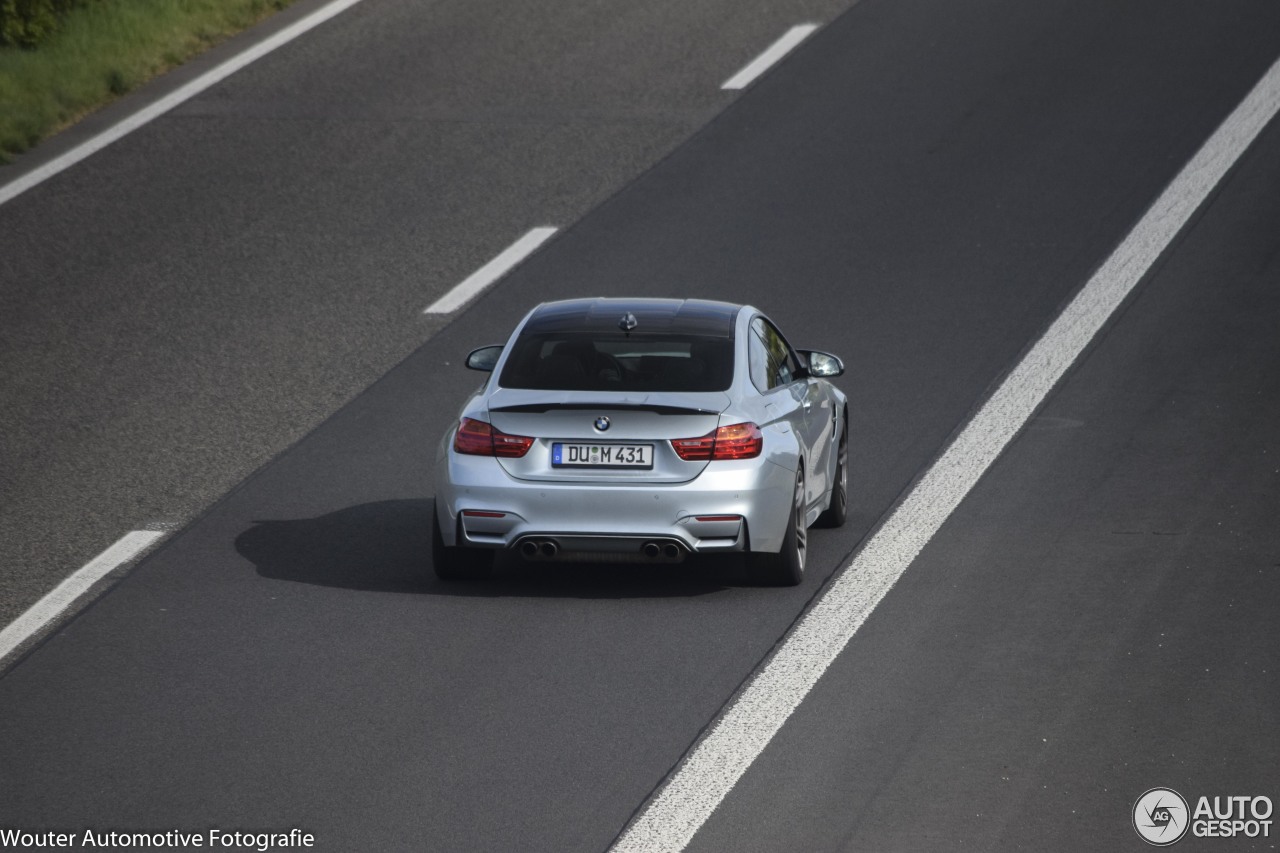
x=477, y=438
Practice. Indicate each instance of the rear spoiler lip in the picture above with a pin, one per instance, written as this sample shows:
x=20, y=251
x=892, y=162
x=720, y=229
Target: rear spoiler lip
x=656, y=408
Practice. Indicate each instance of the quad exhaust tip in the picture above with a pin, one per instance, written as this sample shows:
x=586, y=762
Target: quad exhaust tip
x=533, y=549
x=666, y=551
x=654, y=550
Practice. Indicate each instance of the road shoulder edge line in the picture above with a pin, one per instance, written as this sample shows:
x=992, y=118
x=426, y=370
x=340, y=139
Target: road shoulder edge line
x=670, y=818
x=158, y=107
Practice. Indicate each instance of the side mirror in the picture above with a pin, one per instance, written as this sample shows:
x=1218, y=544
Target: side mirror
x=822, y=364
x=484, y=358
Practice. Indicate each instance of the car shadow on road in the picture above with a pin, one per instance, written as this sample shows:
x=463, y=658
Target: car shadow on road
x=386, y=546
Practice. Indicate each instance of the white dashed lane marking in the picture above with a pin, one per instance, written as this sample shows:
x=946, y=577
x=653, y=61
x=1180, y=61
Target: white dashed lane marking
x=470, y=287
x=771, y=55
x=66, y=593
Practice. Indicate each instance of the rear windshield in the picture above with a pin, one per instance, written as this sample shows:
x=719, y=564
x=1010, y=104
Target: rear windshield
x=604, y=361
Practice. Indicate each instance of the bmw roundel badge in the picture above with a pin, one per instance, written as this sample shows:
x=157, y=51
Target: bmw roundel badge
x=602, y=423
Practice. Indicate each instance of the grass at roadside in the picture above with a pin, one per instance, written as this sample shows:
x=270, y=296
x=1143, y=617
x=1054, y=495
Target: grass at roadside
x=102, y=51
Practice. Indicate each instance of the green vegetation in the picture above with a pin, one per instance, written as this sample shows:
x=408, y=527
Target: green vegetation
x=87, y=55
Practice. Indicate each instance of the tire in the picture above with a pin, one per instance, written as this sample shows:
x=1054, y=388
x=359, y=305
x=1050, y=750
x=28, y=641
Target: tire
x=456, y=564
x=838, y=510
x=785, y=568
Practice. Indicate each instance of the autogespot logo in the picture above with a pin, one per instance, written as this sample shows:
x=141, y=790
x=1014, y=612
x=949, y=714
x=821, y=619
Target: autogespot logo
x=1160, y=816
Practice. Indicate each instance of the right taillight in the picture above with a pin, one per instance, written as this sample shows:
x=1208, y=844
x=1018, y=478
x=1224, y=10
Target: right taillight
x=478, y=438
x=736, y=441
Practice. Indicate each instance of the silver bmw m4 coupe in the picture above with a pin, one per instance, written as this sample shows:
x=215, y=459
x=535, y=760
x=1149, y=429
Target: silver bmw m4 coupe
x=643, y=430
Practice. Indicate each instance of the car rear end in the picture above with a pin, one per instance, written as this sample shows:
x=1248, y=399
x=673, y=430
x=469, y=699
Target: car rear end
x=609, y=431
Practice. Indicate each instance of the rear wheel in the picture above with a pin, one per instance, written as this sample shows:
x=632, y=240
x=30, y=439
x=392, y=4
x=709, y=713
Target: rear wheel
x=785, y=568
x=838, y=510
x=452, y=564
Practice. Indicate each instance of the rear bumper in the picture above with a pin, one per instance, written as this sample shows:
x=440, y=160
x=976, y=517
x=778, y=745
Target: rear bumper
x=730, y=506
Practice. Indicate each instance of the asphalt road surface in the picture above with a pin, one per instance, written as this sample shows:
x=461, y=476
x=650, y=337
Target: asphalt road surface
x=215, y=324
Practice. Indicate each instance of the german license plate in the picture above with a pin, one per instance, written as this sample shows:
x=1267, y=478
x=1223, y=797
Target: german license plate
x=601, y=455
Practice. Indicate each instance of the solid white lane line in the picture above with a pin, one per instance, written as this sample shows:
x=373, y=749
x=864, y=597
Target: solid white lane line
x=772, y=54
x=173, y=99
x=671, y=817
x=43, y=611
x=468, y=288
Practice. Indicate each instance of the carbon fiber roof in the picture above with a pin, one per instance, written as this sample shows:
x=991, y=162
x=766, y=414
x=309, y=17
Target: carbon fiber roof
x=667, y=316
